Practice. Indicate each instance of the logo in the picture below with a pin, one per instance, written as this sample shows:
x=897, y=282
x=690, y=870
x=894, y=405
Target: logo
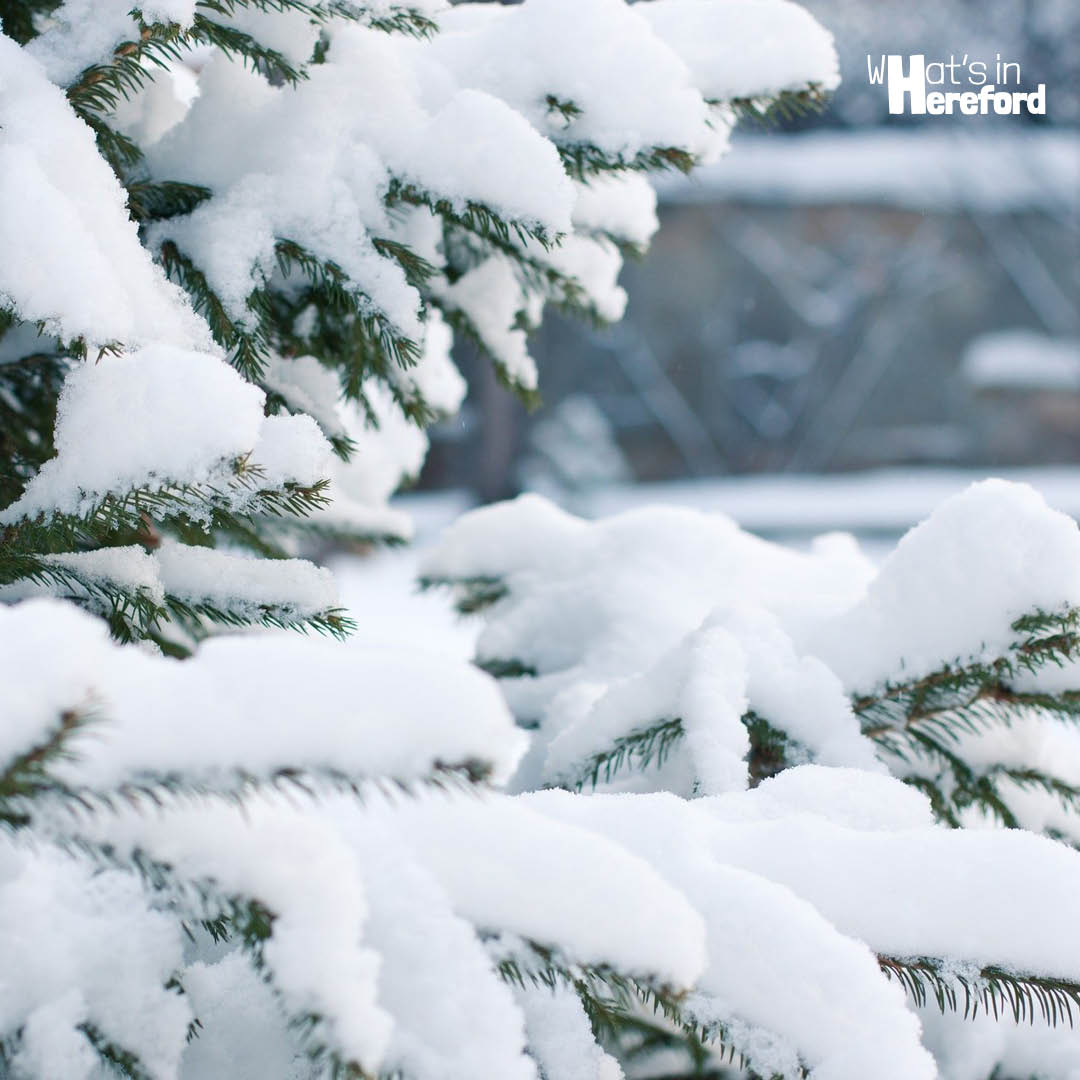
x=916, y=90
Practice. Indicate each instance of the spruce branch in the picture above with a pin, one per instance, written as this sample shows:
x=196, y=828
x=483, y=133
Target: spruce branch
x=782, y=108
x=26, y=776
x=993, y=989
x=249, y=350
x=471, y=594
x=506, y=669
x=464, y=327
x=617, y=1005
x=584, y=160
x=474, y=217
x=637, y=750
x=926, y=720
x=150, y=201
x=116, y=1058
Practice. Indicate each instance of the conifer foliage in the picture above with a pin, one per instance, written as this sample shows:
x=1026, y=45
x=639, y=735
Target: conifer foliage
x=236, y=239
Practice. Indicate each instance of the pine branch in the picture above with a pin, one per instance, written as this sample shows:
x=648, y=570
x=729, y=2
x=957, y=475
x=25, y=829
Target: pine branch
x=118, y=517
x=978, y=693
x=475, y=217
x=378, y=348
x=115, y=1058
x=34, y=798
x=401, y=20
x=638, y=750
x=615, y=1003
x=464, y=327
x=998, y=992
x=249, y=351
x=190, y=614
x=506, y=669
x=583, y=160
x=29, y=387
x=927, y=719
x=131, y=613
x=471, y=594
x=26, y=775
x=782, y=108
x=150, y=201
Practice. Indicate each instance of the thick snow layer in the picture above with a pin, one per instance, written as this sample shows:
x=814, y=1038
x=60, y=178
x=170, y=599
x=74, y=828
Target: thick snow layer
x=319, y=963
x=812, y=989
x=620, y=206
x=503, y=865
x=311, y=164
x=254, y=705
x=284, y=164
x=491, y=296
x=746, y=48
x=243, y=584
x=453, y=1017
x=174, y=417
x=560, y=1036
x=632, y=91
x=988, y=904
x=63, y=930
x=62, y=206
x=852, y=797
x=657, y=615
x=954, y=586
x=613, y=607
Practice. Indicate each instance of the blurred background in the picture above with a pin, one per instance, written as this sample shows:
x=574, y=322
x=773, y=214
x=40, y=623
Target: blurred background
x=844, y=321
x=848, y=291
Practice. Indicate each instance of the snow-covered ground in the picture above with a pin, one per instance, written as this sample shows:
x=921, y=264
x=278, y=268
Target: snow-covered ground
x=877, y=507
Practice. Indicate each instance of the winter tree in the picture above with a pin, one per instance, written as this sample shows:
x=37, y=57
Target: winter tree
x=236, y=239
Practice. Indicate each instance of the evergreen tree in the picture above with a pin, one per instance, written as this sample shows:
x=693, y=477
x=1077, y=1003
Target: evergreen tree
x=235, y=240
x=667, y=651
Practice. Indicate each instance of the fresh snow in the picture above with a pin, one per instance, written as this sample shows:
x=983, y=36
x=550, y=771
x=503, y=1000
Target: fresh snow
x=174, y=418
x=254, y=704
x=61, y=205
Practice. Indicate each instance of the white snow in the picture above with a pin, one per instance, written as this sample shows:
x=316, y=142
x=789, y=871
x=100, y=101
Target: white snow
x=243, y=584
x=61, y=205
x=747, y=48
x=491, y=296
x=599, y=607
x=621, y=206
x=245, y=705
x=954, y=585
x=1023, y=360
x=634, y=93
x=174, y=417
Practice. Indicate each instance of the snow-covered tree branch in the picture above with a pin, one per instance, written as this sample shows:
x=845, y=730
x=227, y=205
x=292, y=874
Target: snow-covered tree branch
x=237, y=238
